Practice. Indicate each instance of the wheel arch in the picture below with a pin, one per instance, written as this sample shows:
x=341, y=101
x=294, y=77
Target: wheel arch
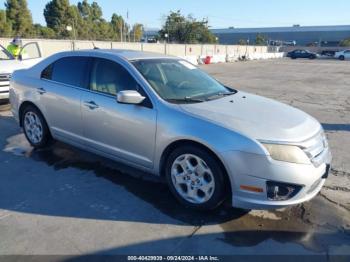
x=185, y=142
x=22, y=108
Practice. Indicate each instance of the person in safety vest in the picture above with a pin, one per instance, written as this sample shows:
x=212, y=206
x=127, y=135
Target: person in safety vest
x=15, y=47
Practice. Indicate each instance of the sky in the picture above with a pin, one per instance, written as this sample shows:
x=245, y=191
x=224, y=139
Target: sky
x=221, y=13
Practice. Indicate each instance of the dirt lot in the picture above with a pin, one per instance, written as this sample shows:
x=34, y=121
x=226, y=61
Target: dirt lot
x=66, y=202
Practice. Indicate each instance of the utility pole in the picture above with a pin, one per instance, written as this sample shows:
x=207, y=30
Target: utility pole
x=134, y=34
x=127, y=19
x=121, y=31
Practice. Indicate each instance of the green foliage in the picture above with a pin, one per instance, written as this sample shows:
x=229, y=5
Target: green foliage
x=118, y=27
x=85, y=19
x=345, y=42
x=5, y=25
x=20, y=18
x=58, y=15
x=242, y=42
x=181, y=29
x=261, y=40
x=44, y=32
x=136, y=32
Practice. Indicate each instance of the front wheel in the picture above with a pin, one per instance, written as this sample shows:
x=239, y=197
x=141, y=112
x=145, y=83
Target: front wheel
x=342, y=58
x=195, y=178
x=35, y=127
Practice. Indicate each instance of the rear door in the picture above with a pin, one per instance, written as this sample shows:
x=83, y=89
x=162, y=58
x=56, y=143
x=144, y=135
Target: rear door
x=62, y=85
x=124, y=131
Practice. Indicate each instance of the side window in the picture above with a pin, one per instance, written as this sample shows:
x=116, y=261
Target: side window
x=70, y=70
x=110, y=78
x=47, y=72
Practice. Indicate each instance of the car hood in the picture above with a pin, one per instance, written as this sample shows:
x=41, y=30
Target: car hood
x=8, y=66
x=257, y=117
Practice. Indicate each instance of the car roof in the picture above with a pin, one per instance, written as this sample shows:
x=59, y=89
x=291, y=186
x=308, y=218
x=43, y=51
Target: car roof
x=123, y=53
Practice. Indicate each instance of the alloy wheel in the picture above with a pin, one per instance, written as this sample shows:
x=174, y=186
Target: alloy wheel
x=33, y=127
x=192, y=178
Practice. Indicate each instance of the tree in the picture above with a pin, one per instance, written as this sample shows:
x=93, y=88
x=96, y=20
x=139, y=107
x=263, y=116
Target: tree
x=84, y=9
x=93, y=25
x=136, y=32
x=5, y=25
x=19, y=16
x=242, y=42
x=118, y=27
x=43, y=31
x=58, y=15
x=181, y=29
x=261, y=39
x=96, y=12
x=345, y=42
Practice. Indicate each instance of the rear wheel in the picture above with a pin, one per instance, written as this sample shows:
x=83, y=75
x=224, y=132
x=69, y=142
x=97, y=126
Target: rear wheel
x=342, y=58
x=195, y=178
x=35, y=127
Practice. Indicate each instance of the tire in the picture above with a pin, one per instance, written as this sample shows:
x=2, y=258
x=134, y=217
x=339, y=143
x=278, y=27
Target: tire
x=293, y=57
x=35, y=127
x=205, y=174
x=312, y=57
x=341, y=58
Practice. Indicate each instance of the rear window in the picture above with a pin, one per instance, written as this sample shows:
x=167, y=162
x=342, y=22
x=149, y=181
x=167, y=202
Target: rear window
x=67, y=70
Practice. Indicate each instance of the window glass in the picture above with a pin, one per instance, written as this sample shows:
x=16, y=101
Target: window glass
x=70, y=70
x=110, y=78
x=179, y=80
x=47, y=72
x=30, y=51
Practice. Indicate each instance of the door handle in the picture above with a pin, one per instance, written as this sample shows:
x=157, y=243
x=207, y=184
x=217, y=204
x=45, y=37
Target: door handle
x=91, y=104
x=41, y=90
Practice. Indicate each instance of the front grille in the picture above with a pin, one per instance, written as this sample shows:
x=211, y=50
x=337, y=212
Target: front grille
x=5, y=77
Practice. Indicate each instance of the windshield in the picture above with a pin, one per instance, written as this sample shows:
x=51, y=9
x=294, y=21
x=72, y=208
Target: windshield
x=4, y=54
x=179, y=81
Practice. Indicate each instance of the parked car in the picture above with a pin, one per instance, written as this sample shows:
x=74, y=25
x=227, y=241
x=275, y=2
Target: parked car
x=299, y=53
x=328, y=53
x=165, y=116
x=342, y=55
x=30, y=54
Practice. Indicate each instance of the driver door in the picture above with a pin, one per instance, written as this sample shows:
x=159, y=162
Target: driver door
x=123, y=131
x=30, y=54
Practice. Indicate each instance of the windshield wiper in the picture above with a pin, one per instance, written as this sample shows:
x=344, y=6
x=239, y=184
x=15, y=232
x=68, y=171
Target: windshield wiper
x=221, y=94
x=185, y=100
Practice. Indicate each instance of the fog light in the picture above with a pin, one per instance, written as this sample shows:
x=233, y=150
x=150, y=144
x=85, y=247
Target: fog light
x=280, y=191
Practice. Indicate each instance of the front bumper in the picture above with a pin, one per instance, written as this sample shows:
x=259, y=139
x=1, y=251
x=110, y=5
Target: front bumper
x=254, y=170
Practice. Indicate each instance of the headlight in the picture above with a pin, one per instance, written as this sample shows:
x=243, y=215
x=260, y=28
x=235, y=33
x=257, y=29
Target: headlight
x=287, y=153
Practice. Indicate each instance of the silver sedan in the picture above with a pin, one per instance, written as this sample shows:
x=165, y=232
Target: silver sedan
x=165, y=116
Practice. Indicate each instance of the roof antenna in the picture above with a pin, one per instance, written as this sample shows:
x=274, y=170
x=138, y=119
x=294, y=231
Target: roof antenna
x=95, y=47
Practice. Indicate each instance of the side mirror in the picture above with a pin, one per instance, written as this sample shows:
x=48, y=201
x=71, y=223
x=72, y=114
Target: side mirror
x=130, y=97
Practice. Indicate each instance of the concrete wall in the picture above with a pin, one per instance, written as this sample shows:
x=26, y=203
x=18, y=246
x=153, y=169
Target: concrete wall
x=49, y=47
x=192, y=52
